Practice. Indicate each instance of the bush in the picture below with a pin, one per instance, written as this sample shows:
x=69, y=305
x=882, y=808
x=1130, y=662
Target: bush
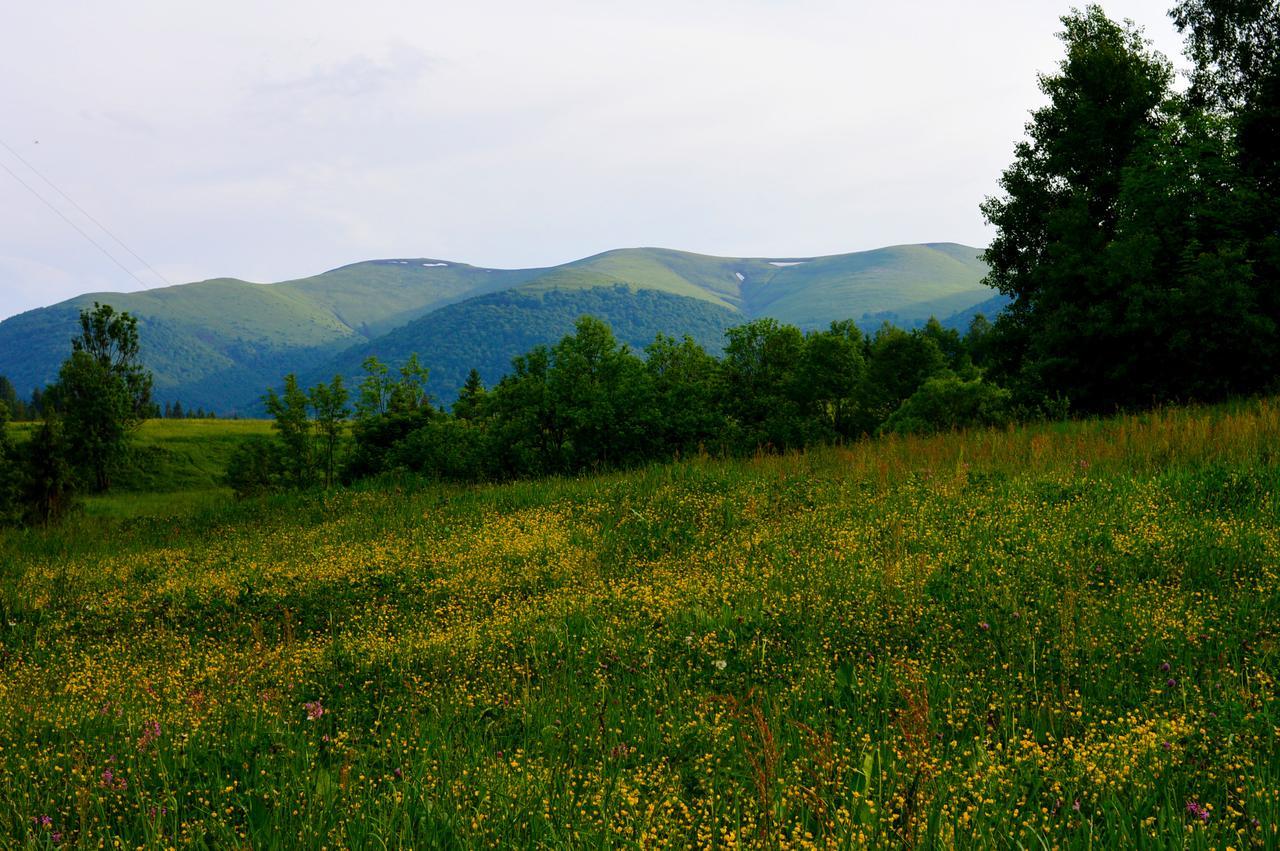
x=445, y=448
x=373, y=438
x=949, y=402
x=255, y=468
x=49, y=483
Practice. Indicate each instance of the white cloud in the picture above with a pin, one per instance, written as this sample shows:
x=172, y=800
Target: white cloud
x=269, y=141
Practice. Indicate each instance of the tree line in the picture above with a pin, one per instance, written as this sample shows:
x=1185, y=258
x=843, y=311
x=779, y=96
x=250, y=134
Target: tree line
x=588, y=403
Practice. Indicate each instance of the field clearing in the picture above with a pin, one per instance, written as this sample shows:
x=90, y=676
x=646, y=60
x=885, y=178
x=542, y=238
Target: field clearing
x=176, y=468
x=1054, y=636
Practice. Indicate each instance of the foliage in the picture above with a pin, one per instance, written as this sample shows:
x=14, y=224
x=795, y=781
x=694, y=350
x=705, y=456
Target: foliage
x=48, y=481
x=588, y=403
x=948, y=402
x=761, y=369
x=103, y=393
x=471, y=400
x=899, y=362
x=1137, y=232
x=291, y=410
x=1060, y=214
x=687, y=387
x=602, y=398
x=329, y=403
x=1235, y=49
x=256, y=467
x=17, y=408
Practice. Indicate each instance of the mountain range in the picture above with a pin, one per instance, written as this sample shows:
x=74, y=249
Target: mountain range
x=219, y=343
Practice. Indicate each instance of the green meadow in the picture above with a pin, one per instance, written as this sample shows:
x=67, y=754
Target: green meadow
x=1051, y=636
x=175, y=467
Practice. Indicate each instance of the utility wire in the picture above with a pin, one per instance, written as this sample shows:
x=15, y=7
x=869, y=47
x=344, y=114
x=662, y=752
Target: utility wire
x=79, y=229
x=83, y=212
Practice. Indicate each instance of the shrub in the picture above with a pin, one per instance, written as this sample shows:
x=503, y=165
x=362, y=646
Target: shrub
x=949, y=402
x=255, y=468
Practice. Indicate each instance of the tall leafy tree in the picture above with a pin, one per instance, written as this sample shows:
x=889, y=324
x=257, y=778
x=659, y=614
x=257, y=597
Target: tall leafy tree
x=832, y=369
x=762, y=360
x=1060, y=211
x=898, y=363
x=1189, y=301
x=600, y=393
x=528, y=431
x=374, y=392
x=49, y=481
x=104, y=392
x=293, y=426
x=389, y=407
x=1234, y=47
x=685, y=381
x=329, y=401
x=9, y=398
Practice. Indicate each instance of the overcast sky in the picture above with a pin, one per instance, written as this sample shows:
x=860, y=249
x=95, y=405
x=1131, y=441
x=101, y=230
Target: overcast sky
x=274, y=140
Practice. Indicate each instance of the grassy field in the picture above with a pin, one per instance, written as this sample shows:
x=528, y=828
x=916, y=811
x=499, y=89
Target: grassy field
x=1061, y=636
x=176, y=469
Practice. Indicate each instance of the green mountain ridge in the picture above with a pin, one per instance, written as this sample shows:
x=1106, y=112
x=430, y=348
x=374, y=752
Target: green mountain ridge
x=219, y=343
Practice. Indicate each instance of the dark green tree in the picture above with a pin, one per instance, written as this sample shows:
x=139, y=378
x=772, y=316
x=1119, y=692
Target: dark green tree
x=762, y=384
x=1188, y=300
x=49, y=481
x=528, y=435
x=1234, y=46
x=832, y=370
x=409, y=391
x=293, y=426
x=471, y=400
x=256, y=467
x=9, y=398
x=601, y=396
x=329, y=401
x=977, y=341
x=685, y=382
x=103, y=391
x=947, y=402
x=374, y=392
x=1060, y=211
x=897, y=364
x=388, y=409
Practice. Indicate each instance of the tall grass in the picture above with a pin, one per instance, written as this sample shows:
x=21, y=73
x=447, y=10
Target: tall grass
x=1052, y=636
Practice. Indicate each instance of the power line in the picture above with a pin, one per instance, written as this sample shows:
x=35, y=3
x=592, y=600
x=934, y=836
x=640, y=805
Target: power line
x=83, y=212
x=79, y=229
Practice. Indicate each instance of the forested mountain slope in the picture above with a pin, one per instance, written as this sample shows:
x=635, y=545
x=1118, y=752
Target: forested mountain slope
x=218, y=343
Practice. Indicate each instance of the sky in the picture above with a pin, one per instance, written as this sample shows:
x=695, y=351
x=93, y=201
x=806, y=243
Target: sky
x=268, y=141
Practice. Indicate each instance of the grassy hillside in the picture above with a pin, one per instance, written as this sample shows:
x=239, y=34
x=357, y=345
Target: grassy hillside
x=913, y=281
x=643, y=291
x=1062, y=636
x=176, y=466
x=216, y=344
x=376, y=296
